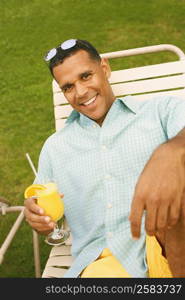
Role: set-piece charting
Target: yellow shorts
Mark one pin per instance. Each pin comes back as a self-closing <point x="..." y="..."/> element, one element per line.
<point x="107" y="266"/>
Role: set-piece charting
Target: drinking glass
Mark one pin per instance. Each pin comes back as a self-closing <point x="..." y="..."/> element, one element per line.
<point x="48" y="198"/>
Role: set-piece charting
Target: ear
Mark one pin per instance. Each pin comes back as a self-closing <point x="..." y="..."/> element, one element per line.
<point x="106" y="67"/>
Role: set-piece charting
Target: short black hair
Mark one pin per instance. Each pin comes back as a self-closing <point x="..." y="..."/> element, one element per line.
<point x="80" y="45"/>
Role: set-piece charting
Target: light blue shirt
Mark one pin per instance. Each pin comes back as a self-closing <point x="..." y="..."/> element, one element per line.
<point x="97" y="168"/>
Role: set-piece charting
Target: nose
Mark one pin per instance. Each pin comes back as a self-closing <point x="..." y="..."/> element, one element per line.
<point x="81" y="90"/>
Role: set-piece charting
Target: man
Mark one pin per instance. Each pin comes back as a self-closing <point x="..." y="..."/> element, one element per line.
<point x="121" y="167"/>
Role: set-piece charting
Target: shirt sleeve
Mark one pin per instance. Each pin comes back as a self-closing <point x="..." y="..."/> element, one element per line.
<point x="44" y="174"/>
<point x="172" y="115"/>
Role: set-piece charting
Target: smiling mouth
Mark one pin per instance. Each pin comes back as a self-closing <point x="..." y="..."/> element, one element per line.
<point x="89" y="101"/>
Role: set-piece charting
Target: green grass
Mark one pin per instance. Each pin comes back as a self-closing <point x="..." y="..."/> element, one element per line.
<point x="28" y="29"/>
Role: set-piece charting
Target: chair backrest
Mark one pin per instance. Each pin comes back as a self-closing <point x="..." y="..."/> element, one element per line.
<point x="141" y="82"/>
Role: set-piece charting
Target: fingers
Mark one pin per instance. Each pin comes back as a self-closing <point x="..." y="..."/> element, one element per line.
<point x="34" y="218"/>
<point x="135" y="217"/>
<point x="30" y="204"/>
<point x="162" y="218"/>
<point x="159" y="215"/>
<point x="34" y="215"/>
<point x="183" y="208"/>
<point x="37" y="222"/>
<point x="174" y="212"/>
<point x="150" y="220"/>
<point x="163" y="205"/>
<point x="42" y="227"/>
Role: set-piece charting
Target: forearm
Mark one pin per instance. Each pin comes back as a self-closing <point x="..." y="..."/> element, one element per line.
<point x="174" y="148"/>
<point x="180" y="138"/>
<point x="178" y="143"/>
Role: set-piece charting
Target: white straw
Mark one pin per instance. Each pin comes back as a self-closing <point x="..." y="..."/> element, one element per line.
<point x="31" y="164"/>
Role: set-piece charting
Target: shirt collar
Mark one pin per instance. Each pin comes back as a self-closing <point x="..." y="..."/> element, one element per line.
<point x="73" y="115"/>
<point x="132" y="103"/>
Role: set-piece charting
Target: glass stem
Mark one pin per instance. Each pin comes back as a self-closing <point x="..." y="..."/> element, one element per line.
<point x="56" y="227"/>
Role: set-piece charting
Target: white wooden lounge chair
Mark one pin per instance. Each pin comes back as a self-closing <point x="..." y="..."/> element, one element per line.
<point x="6" y="208"/>
<point x="142" y="83"/>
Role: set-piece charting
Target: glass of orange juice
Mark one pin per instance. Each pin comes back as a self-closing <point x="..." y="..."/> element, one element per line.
<point x="49" y="199"/>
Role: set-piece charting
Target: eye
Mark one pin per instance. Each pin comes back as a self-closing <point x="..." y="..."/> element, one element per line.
<point x="67" y="88"/>
<point x="86" y="76"/>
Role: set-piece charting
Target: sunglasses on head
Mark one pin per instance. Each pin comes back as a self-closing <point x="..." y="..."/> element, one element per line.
<point x="64" y="46"/>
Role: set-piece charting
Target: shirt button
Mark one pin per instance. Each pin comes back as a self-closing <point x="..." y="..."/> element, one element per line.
<point x="104" y="147"/>
<point x="109" y="234"/>
<point x="108" y="176"/>
<point x="109" y="205"/>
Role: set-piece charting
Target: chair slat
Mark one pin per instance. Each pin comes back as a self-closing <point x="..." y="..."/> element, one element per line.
<point x="55" y="87"/>
<point x="144" y="86"/>
<point x="53" y="272"/>
<point x="58" y="98"/>
<point x="150" y="71"/>
<point x="60" y="250"/>
<point x="157" y="70"/>
<point x="59" y="124"/>
<point x="60" y="260"/>
<point x="177" y="93"/>
<point x="62" y="111"/>
<point x="133" y="87"/>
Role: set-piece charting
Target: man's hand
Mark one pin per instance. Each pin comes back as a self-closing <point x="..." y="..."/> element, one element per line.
<point x="36" y="218"/>
<point x="160" y="189"/>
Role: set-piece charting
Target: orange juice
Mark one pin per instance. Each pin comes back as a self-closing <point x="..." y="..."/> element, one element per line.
<point x="48" y="198"/>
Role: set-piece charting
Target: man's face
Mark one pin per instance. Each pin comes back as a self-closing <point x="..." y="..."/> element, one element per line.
<point x="84" y="82"/>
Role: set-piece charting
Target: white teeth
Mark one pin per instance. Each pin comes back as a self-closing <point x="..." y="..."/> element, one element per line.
<point x="90" y="101"/>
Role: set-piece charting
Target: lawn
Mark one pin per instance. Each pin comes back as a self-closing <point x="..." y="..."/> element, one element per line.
<point x="28" y="29"/>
